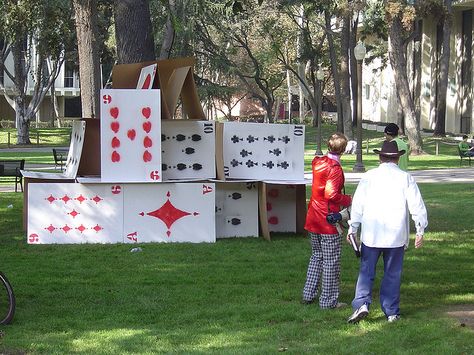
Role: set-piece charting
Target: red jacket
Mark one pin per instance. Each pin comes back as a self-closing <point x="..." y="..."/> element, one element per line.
<point x="328" y="182"/>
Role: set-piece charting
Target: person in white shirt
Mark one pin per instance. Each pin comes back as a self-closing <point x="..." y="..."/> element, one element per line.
<point x="384" y="197"/>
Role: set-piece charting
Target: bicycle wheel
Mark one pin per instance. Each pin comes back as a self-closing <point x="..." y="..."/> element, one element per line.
<point x="7" y="300"/>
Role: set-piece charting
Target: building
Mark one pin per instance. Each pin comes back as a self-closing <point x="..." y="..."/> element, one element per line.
<point x="379" y="95"/>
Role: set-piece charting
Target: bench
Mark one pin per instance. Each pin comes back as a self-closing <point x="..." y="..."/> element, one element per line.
<point x="60" y="157"/>
<point x="462" y="156"/>
<point x="11" y="168"/>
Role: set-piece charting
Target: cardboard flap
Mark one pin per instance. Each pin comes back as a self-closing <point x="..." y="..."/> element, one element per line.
<point x="174" y="78"/>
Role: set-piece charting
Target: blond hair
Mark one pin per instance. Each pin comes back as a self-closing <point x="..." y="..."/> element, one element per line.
<point x="337" y="143"/>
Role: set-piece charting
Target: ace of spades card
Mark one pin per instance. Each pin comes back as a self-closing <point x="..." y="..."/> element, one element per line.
<point x="65" y="213"/>
<point x="236" y="209"/>
<point x="130" y="135"/>
<point x="169" y="212"/>
<point x="187" y="149"/>
<point x="147" y="76"/>
<point x="263" y="151"/>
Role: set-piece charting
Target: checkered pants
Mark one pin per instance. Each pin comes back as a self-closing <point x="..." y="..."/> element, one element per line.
<point x="324" y="263"/>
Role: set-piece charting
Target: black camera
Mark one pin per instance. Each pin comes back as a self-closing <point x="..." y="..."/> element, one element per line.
<point x="334" y="217"/>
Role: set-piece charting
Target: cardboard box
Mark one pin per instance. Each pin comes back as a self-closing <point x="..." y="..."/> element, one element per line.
<point x="174" y="78"/>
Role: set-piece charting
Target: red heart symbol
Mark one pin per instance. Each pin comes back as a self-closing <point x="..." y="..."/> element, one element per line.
<point x="115" y="157"/>
<point x="147" y="127"/>
<point x="115" y="126"/>
<point x="146" y="83"/>
<point x="147" y="142"/>
<point x="273" y="220"/>
<point x="147" y="156"/>
<point x="114" y="112"/>
<point x="115" y="142"/>
<point x="146" y="112"/>
<point x="131" y="134"/>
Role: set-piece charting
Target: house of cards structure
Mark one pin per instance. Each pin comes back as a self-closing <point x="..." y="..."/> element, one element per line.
<point x="165" y="180"/>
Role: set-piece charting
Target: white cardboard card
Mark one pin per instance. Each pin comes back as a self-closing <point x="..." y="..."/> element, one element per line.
<point x="188" y="148"/>
<point x="236" y="209"/>
<point x="130" y="135"/>
<point x="68" y="213"/>
<point x="169" y="212"/>
<point x="263" y="151"/>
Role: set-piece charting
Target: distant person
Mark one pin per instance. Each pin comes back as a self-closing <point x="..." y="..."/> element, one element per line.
<point x="351" y="147"/>
<point x="326" y="196"/>
<point x="382" y="201"/>
<point x="391" y="133"/>
<point x="464" y="147"/>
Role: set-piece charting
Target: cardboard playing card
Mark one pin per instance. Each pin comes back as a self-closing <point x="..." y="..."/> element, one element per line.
<point x="147" y="77"/>
<point x="236" y="209"/>
<point x="188" y="149"/>
<point x="282" y="206"/>
<point x="169" y="212"/>
<point x="130" y="135"/>
<point x="261" y="151"/>
<point x="64" y="213"/>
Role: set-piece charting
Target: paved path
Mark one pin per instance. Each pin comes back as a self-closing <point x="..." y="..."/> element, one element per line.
<point x="459" y="175"/>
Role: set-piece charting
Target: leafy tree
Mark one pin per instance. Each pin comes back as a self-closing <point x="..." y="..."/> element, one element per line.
<point x="36" y="34"/>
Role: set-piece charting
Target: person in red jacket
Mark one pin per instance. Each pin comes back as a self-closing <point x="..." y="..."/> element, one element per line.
<point x="326" y="242"/>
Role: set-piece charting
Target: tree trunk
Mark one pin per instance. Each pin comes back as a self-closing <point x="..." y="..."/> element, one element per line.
<point x="169" y="33"/>
<point x="353" y="68"/>
<point x="345" y="82"/>
<point x="335" y="72"/>
<point x="23" y="125"/>
<point x="397" y="55"/>
<point x="443" y="70"/>
<point x="89" y="63"/>
<point x="133" y="31"/>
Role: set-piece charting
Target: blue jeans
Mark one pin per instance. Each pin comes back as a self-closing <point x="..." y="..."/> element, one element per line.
<point x="390" y="286"/>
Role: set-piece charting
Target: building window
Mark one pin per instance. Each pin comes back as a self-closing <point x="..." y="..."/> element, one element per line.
<point x="69" y="75"/>
<point x="367" y="92"/>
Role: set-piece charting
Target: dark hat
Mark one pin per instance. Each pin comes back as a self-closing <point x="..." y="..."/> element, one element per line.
<point x="392" y="129"/>
<point x="389" y="149"/>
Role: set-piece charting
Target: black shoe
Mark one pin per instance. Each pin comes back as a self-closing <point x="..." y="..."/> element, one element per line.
<point x="306" y="302"/>
<point x="359" y="314"/>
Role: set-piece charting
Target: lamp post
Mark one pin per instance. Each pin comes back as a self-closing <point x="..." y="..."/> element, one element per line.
<point x="359" y="53"/>
<point x="320" y="77"/>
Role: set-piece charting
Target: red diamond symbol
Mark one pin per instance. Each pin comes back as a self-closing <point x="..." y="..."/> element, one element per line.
<point x="80" y="198"/>
<point x="50" y="228"/>
<point x="74" y="213"/>
<point x="66" y="198"/>
<point x="168" y="214"/>
<point x="81" y="228"/>
<point x="51" y="199"/>
<point x="66" y="228"/>
<point x="97" y="228"/>
<point x="96" y="199"/>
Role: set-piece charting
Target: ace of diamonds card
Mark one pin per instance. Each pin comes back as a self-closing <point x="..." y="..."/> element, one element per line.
<point x="169" y="212"/>
<point x="130" y="135"/>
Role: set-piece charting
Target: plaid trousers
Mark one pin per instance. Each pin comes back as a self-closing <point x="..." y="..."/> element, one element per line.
<point x="324" y="264"/>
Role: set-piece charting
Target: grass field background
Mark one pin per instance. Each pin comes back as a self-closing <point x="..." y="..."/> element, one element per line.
<point x="237" y="296"/>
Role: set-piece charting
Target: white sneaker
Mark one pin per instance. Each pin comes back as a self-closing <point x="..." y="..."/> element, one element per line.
<point x="393" y="318"/>
<point x="359" y="314"/>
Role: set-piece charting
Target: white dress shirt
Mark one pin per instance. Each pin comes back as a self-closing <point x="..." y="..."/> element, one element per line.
<point x="381" y="204"/>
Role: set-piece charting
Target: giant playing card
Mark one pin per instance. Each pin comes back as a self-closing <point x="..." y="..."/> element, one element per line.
<point x="188" y="148"/>
<point x="263" y="151"/>
<point x="66" y="213"/>
<point x="130" y="135"/>
<point x="281" y="208"/>
<point x="236" y="209"/>
<point x="169" y="212"/>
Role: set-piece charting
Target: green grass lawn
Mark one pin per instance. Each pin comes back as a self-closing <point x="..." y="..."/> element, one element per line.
<point x="237" y="296"/>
